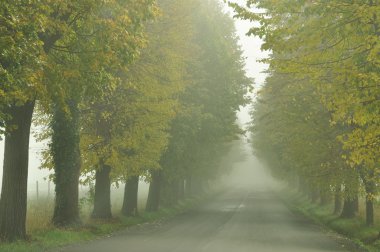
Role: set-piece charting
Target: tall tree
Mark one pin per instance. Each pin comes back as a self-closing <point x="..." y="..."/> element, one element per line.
<point x="207" y="120"/>
<point x="20" y="76"/>
<point x="107" y="37"/>
<point x="138" y="111"/>
<point x="333" y="45"/>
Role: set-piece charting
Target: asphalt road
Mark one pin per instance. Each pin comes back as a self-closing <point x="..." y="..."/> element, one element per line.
<point x="247" y="217"/>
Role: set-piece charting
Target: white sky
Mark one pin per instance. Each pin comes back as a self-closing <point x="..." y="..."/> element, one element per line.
<point x="252" y="53"/>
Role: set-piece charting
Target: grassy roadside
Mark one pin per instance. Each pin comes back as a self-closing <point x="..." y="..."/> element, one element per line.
<point x="54" y="238"/>
<point x="366" y="238"/>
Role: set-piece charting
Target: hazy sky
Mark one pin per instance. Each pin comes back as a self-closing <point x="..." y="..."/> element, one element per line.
<point x="251" y="48"/>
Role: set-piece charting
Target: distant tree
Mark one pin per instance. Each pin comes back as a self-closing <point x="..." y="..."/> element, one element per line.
<point x="137" y="112"/>
<point x="207" y="120"/>
<point x="335" y="47"/>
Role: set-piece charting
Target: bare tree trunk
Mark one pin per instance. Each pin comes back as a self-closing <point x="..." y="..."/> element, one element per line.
<point x="349" y="208"/>
<point x="370" y="192"/>
<point x="153" y="201"/>
<point x="130" y="197"/>
<point x="337" y="201"/>
<point x="169" y="192"/>
<point x="197" y="186"/>
<point x="370" y="189"/>
<point x="302" y="186"/>
<point x="314" y="196"/>
<point x="356" y="204"/>
<point x="370" y="220"/>
<point x="102" y="199"/>
<point x="181" y="188"/>
<point x="67" y="162"/>
<point x="13" y="200"/>
<point x="325" y="198"/>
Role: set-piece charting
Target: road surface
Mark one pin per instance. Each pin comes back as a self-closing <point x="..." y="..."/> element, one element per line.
<point x="246" y="218"/>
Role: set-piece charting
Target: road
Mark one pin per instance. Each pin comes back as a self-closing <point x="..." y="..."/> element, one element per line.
<point x="248" y="217"/>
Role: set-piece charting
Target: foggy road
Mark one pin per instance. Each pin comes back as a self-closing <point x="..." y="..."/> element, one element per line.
<point x="248" y="217"/>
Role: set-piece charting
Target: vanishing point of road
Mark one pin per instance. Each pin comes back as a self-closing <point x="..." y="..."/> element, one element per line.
<point x="248" y="217"/>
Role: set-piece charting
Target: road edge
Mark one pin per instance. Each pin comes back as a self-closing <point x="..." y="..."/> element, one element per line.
<point x="288" y="197"/>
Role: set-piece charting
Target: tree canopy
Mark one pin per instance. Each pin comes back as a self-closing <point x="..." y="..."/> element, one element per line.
<point x="332" y="49"/>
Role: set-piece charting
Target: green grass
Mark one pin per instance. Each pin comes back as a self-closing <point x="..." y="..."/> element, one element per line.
<point x="47" y="237"/>
<point x="355" y="229"/>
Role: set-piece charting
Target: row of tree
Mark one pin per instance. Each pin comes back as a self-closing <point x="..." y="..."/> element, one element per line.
<point x="125" y="89"/>
<point x="317" y="117"/>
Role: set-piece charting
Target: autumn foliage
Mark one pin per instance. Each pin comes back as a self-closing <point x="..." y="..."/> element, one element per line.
<point x="127" y="90"/>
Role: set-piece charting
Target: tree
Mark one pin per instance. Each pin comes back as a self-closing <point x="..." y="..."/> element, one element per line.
<point x="20" y="76"/>
<point x="332" y="44"/>
<point x="138" y="111"/>
<point x="207" y="121"/>
<point x="104" y="39"/>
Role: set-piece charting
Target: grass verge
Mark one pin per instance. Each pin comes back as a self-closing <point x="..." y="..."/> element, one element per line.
<point x="54" y="238"/>
<point x="365" y="238"/>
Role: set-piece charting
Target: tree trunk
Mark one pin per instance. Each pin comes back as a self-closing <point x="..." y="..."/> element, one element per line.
<point x="169" y="192"/>
<point x="102" y="199"/>
<point x="337" y="202"/>
<point x="369" y="212"/>
<point x="13" y="200"/>
<point x="356" y="204"/>
<point x="67" y="162"/>
<point x="130" y="197"/>
<point x="314" y="196"/>
<point x="325" y="198"/>
<point x="153" y="201"/>
<point x="302" y="185"/>
<point x="174" y="191"/>
<point x="349" y="208"/>
<point x="197" y="186"/>
<point x="370" y="192"/>
<point x="181" y="189"/>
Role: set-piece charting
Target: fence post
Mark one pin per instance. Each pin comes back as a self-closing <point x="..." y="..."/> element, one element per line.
<point x="37" y="189"/>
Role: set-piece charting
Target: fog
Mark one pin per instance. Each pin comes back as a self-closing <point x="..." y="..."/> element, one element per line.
<point x="207" y="198"/>
<point x="246" y="171"/>
<point x="252" y="53"/>
<point x="35" y="173"/>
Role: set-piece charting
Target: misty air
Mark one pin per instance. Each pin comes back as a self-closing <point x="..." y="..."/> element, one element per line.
<point x="189" y="126"/>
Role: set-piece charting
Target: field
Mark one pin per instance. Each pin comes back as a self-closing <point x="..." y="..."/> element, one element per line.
<point x="44" y="236"/>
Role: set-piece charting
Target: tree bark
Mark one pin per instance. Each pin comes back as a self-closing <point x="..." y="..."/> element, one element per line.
<point x="181" y="189"/>
<point x="153" y="201"/>
<point x="370" y="192"/>
<point x="337" y="202"/>
<point x="370" y="221"/>
<point x="325" y="198"/>
<point x="169" y="192"/>
<point x="67" y="162"/>
<point x="130" y="197"/>
<point x="349" y="208"/>
<point x="314" y="196"/>
<point x="302" y="185"/>
<point x="102" y="199"/>
<point x="13" y="202"/>
<point x="356" y="204"/>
